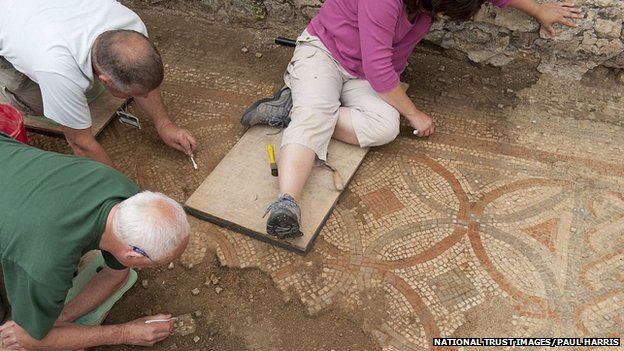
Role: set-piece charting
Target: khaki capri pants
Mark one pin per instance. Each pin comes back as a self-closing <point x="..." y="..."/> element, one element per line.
<point x="320" y="86"/>
<point x="18" y="90"/>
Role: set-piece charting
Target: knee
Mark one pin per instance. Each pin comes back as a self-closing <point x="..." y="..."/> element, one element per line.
<point x="385" y="131"/>
<point x="385" y="135"/>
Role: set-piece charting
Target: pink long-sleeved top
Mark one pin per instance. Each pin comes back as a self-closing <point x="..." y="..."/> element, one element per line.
<point x="372" y="39"/>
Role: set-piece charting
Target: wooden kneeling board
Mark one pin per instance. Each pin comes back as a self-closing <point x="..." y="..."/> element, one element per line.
<point x="103" y="111"/>
<point x="237" y="192"/>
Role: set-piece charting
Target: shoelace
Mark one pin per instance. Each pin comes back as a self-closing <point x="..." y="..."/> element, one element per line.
<point x="283" y="203"/>
<point x="284" y="232"/>
<point x="276" y="122"/>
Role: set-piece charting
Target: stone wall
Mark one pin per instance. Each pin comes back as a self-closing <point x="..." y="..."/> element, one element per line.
<point x="496" y="37"/>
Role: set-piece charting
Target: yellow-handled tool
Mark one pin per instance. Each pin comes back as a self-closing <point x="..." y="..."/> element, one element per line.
<point x="271" y="154"/>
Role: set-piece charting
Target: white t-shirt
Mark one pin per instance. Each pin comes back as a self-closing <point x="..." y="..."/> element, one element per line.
<point x="50" y="42"/>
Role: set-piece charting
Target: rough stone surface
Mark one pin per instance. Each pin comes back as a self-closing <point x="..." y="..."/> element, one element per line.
<point x="496" y="36"/>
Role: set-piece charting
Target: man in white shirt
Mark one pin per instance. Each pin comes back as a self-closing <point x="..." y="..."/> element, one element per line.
<point x="53" y="52"/>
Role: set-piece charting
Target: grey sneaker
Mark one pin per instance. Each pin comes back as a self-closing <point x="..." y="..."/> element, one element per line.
<point x="274" y="111"/>
<point x="285" y="218"/>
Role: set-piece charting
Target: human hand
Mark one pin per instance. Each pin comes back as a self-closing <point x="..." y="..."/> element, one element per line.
<point x="564" y="13"/>
<point x="137" y="332"/>
<point x="177" y="138"/>
<point x="13" y="336"/>
<point x="422" y="123"/>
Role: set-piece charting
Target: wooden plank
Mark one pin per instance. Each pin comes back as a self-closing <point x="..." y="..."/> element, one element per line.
<point x="235" y="195"/>
<point x="102" y="113"/>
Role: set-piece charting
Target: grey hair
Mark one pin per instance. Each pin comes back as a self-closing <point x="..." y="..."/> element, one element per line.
<point x="153" y="222"/>
<point x="128" y="58"/>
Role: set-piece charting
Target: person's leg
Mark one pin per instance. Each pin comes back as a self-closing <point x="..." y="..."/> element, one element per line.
<point x="365" y="118"/>
<point x="18" y="90"/>
<point x="295" y="165"/>
<point x="344" y="127"/>
<point x="316" y="84"/>
<point x="90" y="266"/>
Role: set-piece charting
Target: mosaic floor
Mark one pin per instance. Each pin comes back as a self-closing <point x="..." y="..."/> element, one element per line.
<point x="508" y="222"/>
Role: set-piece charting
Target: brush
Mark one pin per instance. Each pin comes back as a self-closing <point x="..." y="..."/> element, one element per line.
<point x="272" y="159"/>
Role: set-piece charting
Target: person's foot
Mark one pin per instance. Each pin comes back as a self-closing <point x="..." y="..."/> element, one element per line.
<point x="274" y="111"/>
<point x="285" y="218"/>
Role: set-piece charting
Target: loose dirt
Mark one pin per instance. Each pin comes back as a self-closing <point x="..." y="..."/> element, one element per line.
<point x="235" y="310"/>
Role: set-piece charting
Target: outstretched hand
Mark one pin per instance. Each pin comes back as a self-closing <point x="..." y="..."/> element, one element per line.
<point x="422" y="123"/>
<point x="563" y="13"/>
<point x="13" y="336"/>
<point x="137" y="332"/>
<point x="177" y="138"/>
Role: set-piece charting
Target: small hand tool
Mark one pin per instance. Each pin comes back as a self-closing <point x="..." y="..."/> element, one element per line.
<point x="150" y="321"/>
<point x="194" y="163"/>
<point x="271" y="154"/>
<point x="286" y="42"/>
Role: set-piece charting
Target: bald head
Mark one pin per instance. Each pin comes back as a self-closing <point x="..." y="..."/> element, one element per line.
<point x="129" y="59"/>
<point x="155" y="223"/>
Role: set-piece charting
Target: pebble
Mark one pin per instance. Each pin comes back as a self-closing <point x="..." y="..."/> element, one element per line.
<point x="170" y="266"/>
<point x="197" y="313"/>
<point x="196" y="338"/>
<point x="195" y="291"/>
<point x="245" y="50"/>
<point x="510" y="91"/>
<point x="501" y="105"/>
<point x="218" y="289"/>
<point x="185" y="325"/>
<point x="442" y="68"/>
<point x="144" y="283"/>
<point x="214" y="279"/>
<point x="258" y="54"/>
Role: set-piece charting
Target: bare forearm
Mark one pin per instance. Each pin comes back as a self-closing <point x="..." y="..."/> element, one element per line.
<point x="154" y="107"/>
<point x="91" y="149"/>
<point x="530" y="7"/>
<point x="171" y="134"/>
<point x="423" y="124"/>
<point x="100" y="288"/>
<point x="74" y="337"/>
<point x="400" y="101"/>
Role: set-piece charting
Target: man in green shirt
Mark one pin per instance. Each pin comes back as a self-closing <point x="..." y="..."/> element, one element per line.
<point x="53" y="209"/>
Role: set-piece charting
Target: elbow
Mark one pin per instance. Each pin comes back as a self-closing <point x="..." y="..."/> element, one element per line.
<point x="80" y="140"/>
<point x="381" y="80"/>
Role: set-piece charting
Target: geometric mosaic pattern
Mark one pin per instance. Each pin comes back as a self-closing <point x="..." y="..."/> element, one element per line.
<point x="509" y="221"/>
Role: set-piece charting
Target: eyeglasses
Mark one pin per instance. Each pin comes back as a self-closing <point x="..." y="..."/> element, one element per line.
<point x="140" y="251"/>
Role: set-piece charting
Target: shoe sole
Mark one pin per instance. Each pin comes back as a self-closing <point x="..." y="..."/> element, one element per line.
<point x="248" y="114"/>
<point x="283" y="221"/>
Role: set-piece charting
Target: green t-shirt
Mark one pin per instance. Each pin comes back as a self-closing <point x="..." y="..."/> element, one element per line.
<point x="53" y="209"/>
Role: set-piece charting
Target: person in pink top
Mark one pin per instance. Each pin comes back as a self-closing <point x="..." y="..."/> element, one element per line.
<point x="343" y="83"/>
